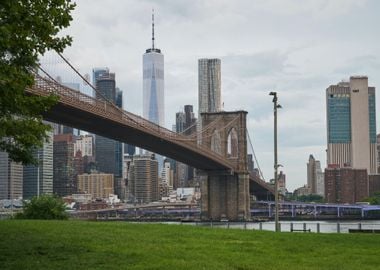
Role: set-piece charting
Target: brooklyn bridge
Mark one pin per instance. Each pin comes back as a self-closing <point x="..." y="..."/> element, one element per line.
<point x="218" y="151"/>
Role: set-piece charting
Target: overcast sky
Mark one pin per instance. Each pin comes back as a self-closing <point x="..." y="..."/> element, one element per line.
<point x="297" y="48"/>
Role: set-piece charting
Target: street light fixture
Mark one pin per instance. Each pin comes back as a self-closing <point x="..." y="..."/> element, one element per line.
<point x="276" y="165"/>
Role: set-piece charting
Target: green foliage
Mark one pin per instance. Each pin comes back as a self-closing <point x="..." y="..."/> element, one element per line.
<point x="310" y="198"/>
<point x="27" y="30"/>
<point x="27" y="244"/>
<point x="44" y="207"/>
<point x="374" y="200"/>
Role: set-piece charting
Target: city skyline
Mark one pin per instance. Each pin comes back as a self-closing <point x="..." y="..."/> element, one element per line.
<point x="261" y="50"/>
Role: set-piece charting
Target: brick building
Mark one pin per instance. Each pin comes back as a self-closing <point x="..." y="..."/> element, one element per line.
<point x="345" y="185"/>
<point x="373" y="184"/>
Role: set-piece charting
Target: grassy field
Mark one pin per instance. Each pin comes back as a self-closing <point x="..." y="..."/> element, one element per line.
<point x="117" y="245"/>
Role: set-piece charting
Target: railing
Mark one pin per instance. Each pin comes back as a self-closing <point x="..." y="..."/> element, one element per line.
<point x="362" y="226"/>
<point x="44" y="87"/>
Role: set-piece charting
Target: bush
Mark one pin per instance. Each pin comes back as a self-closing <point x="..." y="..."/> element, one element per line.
<point x="44" y="207"/>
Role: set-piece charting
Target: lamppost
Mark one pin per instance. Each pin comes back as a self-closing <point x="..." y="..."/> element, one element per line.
<point x="276" y="165"/>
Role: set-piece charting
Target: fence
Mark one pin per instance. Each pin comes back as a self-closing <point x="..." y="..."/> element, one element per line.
<point x="303" y="227"/>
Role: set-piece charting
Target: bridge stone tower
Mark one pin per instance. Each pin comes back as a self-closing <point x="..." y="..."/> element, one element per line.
<point x="225" y="194"/>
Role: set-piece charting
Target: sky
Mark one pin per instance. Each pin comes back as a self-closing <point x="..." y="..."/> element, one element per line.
<point x="296" y="48"/>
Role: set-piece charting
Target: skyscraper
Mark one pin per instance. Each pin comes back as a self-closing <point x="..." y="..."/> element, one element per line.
<point x="119" y="98"/>
<point x="106" y="86"/>
<point x="108" y="152"/>
<point x="130" y="149"/>
<point x="209" y="87"/>
<point x="64" y="182"/>
<point x="153" y="84"/>
<point x="315" y="180"/>
<point x="190" y="120"/>
<point x="39" y="179"/>
<point x="180" y="122"/>
<point x="97" y="72"/>
<point x="351" y="124"/>
<point x="11" y="176"/>
<point x="185" y="123"/>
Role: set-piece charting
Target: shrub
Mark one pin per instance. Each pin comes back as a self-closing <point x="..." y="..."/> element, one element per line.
<point x="44" y="207"/>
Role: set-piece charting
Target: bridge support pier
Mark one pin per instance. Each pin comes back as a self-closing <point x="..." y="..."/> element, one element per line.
<point x="224" y="196"/>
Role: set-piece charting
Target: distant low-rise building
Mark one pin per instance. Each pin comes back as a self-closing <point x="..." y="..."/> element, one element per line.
<point x="282" y="183"/>
<point x="82" y="198"/>
<point x="301" y="191"/>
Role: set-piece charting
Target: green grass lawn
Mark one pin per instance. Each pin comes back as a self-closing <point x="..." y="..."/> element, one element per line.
<point x="118" y="245"/>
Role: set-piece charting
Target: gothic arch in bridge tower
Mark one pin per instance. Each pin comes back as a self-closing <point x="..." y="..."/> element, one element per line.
<point x="232" y="143"/>
<point x="216" y="143"/>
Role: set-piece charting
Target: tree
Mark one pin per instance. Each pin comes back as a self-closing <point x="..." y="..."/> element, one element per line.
<point x="27" y="30"/>
<point x="373" y="200"/>
<point x="44" y="207"/>
<point x="310" y="198"/>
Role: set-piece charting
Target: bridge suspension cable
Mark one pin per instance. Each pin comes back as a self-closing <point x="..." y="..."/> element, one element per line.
<point x="196" y="133"/>
<point x="254" y="155"/>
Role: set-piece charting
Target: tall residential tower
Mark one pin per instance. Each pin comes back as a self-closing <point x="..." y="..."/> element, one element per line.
<point x="209" y="87"/>
<point x="351" y="124"/>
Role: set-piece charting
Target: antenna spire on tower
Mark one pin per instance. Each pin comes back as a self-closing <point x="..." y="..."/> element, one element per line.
<point x="152" y="28"/>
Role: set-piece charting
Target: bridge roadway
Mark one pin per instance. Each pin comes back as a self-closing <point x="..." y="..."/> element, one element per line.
<point x="266" y="208"/>
<point x="101" y="117"/>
